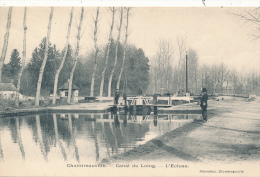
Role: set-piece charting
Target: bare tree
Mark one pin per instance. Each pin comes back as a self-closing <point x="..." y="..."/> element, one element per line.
<point x="6" y="38"/>
<point x="224" y="72"/>
<point x="125" y="43"/>
<point x="253" y="84"/>
<point x="63" y="60"/>
<point x="181" y="42"/>
<point x="228" y="79"/>
<point x="168" y="61"/>
<point x="163" y="66"/>
<point x="23" y="60"/>
<point x="251" y="16"/>
<point x="152" y="76"/>
<point x="107" y="52"/>
<point x="117" y="44"/>
<point x="192" y="71"/>
<point x="39" y="83"/>
<point x="96" y="55"/>
<point x="76" y="55"/>
<point x="220" y="79"/>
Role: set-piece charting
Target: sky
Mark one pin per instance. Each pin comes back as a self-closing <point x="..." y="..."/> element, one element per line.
<point x="215" y="34"/>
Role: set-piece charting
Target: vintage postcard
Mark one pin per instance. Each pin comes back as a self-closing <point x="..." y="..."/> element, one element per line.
<point x="129" y="89"/>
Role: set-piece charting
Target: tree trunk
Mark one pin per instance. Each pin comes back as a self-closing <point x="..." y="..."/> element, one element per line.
<point x="76" y="56"/>
<point x="107" y="53"/>
<point x="196" y="82"/>
<point x="125" y="43"/>
<point x="23" y="61"/>
<point x="8" y="26"/>
<point x="117" y="44"/>
<point x="182" y="47"/>
<point x="226" y="87"/>
<point x="63" y="60"/>
<point x="202" y="79"/>
<point x="39" y="83"/>
<point x="96" y="54"/>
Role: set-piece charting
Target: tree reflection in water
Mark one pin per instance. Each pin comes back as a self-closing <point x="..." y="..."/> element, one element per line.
<point x="105" y="136"/>
<point x="83" y="136"/>
<point x="95" y="139"/>
<point x="57" y="137"/>
<point x="19" y="137"/>
<point x="113" y="135"/>
<point x="73" y="138"/>
<point x="39" y="133"/>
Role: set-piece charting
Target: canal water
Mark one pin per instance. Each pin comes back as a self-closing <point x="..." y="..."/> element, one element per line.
<point x="78" y="138"/>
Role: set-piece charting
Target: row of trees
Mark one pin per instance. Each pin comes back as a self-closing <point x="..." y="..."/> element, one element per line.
<point x="168" y="73"/>
<point x="163" y="74"/>
<point x="95" y="74"/>
<point x="134" y="77"/>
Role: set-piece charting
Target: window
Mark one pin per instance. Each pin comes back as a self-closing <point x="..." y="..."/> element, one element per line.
<point x="66" y="93"/>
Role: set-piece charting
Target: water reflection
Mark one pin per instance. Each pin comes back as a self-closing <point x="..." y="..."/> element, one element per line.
<point x="155" y="120"/>
<point x="57" y="137"/>
<point x="39" y="133"/>
<point x="73" y="138"/>
<point x="94" y="134"/>
<point x="105" y="136"/>
<point x="114" y="137"/>
<point x="82" y="137"/>
<point x="19" y="137"/>
<point x="125" y="119"/>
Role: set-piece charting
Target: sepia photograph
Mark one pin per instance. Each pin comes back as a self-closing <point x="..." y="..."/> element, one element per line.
<point x="129" y="89"/>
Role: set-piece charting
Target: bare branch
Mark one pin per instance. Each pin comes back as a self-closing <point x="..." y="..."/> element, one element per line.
<point x="252" y="17"/>
<point x="203" y="1"/>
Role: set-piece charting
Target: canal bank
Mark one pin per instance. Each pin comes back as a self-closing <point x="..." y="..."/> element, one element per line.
<point x="231" y="135"/>
<point x="93" y="107"/>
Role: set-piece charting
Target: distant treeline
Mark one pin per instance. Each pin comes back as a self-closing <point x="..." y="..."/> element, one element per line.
<point x="168" y="73"/>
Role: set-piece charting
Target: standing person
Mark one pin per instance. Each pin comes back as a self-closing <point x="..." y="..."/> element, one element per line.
<point x="204" y="104"/>
<point x="117" y="95"/>
<point x="139" y="101"/>
<point x="140" y="92"/>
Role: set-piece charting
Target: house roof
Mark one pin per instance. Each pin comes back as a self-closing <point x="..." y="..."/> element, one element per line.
<point x="7" y="87"/>
<point x="66" y="86"/>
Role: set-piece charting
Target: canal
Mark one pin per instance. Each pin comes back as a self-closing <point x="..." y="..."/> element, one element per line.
<point x="84" y="137"/>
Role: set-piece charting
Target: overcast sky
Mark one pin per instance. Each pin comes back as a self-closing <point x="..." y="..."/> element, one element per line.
<point x="213" y="32"/>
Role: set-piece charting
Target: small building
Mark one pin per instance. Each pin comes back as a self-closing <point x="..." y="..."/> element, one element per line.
<point x="64" y="92"/>
<point x="7" y="91"/>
